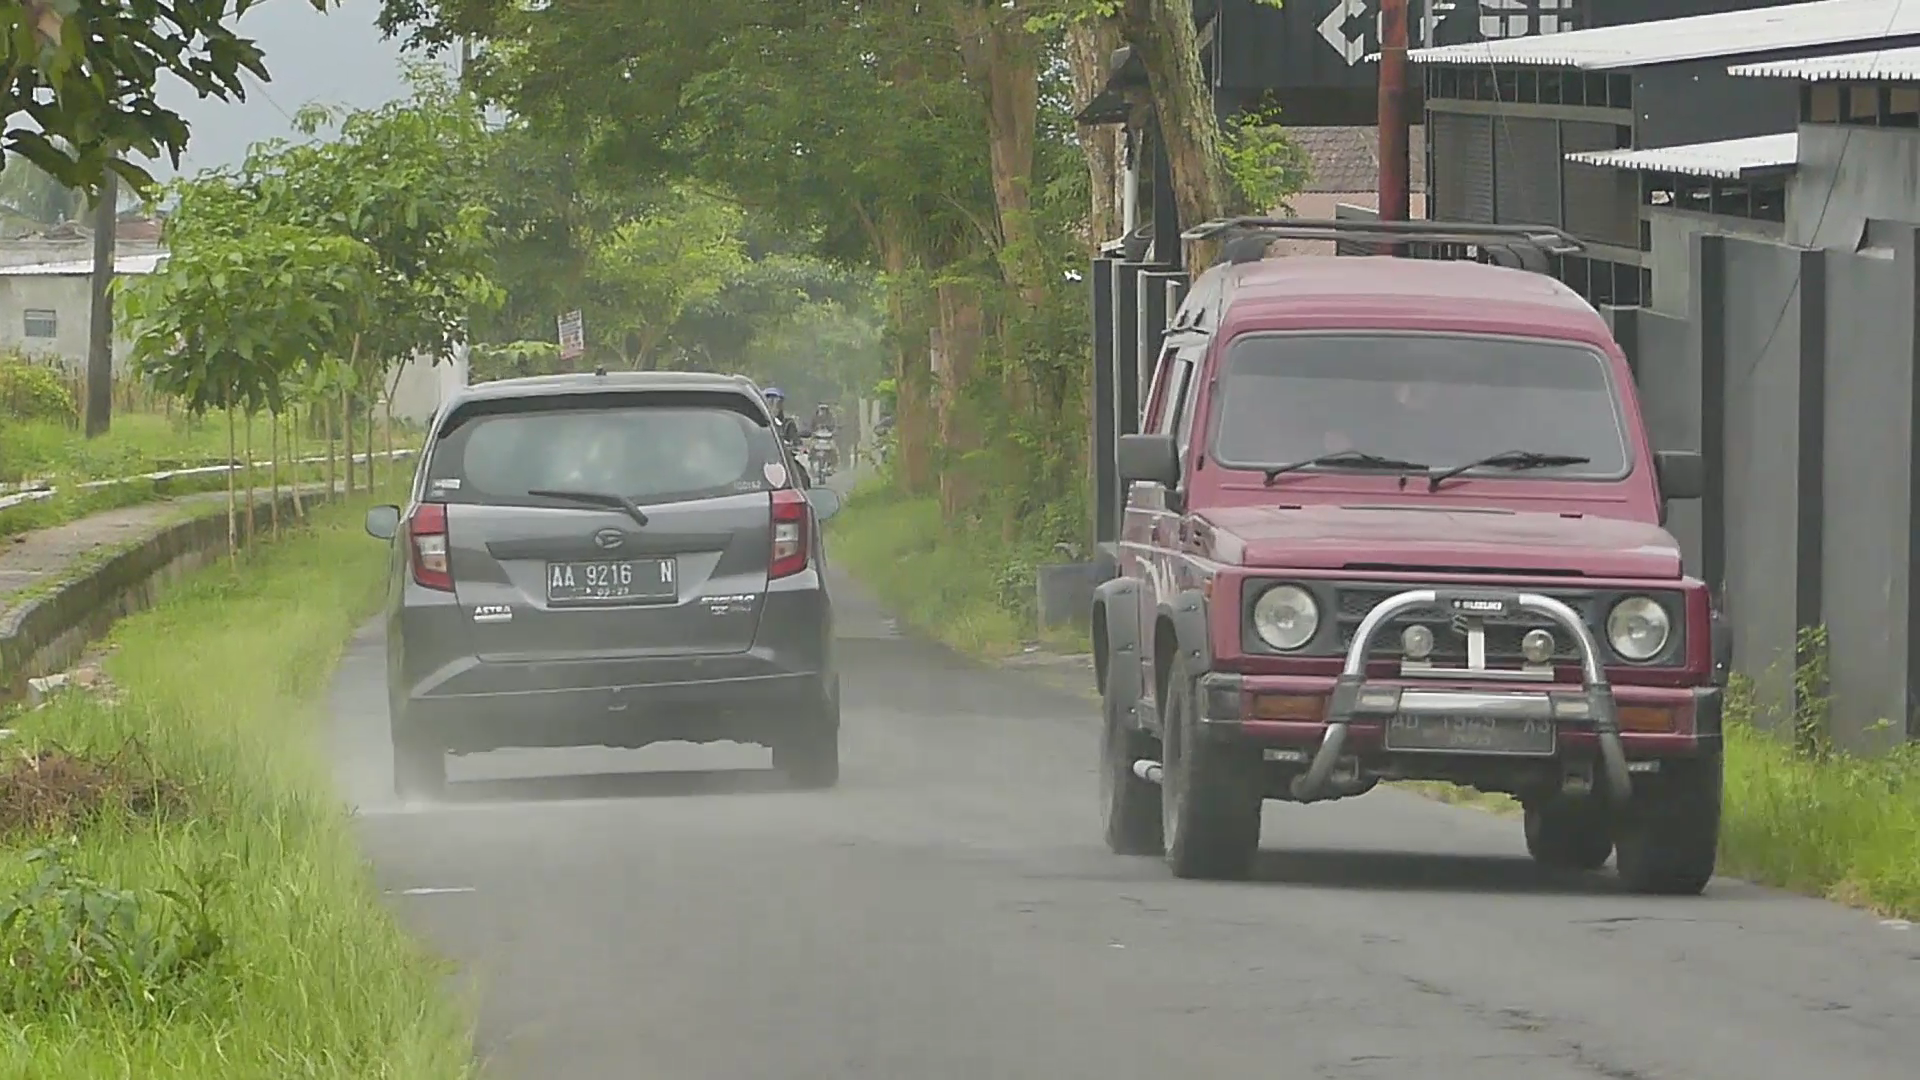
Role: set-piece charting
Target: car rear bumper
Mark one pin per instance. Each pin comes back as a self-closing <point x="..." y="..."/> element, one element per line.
<point x="533" y="705"/>
<point x="1289" y="712"/>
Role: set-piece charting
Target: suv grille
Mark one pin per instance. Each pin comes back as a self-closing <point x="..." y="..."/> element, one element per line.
<point x="1352" y="602"/>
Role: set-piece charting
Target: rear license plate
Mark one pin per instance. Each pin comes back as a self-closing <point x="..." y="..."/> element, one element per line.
<point x="1472" y="735"/>
<point x="630" y="580"/>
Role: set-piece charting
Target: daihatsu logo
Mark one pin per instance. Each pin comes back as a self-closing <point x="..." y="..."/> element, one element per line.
<point x="608" y="539"/>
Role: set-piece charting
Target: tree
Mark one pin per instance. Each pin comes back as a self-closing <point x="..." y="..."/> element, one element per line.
<point x="82" y="74"/>
<point x="644" y="273"/>
<point x="242" y="307"/>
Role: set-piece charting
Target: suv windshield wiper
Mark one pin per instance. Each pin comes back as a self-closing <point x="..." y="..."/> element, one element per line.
<point x="1507" y="459"/>
<point x="1358" y="459"/>
<point x="595" y="498"/>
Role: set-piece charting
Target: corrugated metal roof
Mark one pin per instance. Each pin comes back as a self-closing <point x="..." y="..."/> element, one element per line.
<point x="1878" y="65"/>
<point x="1728" y="159"/>
<point x="125" y="264"/>
<point x="1698" y="37"/>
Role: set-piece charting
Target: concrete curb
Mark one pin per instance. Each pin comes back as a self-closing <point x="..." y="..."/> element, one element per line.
<point x="44" y="634"/>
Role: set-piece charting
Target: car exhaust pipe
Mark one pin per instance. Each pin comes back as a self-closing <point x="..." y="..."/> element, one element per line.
<point x="1148" y="770"/>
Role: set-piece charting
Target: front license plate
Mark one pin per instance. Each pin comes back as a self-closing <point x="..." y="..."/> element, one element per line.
<point x="630" y="580"/>
<point x="1472" y="735"/>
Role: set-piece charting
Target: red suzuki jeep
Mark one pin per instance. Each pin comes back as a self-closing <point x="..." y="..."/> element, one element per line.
<point x="1399" y="518"/>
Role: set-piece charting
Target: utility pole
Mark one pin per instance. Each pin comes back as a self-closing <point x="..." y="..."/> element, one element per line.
<point x="1395" y="204"/>
<point x="99" y="415"/>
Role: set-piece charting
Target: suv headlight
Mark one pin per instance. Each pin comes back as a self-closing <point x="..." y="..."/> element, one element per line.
<point x="1286" y="617"/>
<point x="1638" y="628"/>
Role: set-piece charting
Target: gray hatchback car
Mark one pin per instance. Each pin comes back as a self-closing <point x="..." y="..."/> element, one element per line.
<point x="608" y="560"/>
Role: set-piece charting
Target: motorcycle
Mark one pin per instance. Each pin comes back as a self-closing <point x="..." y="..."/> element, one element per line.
<point x="822" y="454"/>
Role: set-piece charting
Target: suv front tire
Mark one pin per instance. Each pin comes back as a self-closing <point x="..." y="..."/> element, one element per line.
<point x="1210" y="796"/>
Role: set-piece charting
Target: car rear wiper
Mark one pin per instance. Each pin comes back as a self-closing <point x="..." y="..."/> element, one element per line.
<point x="595" y="498"/>
<point x="1358" y="459"/>
<point x="1507" y="459"/>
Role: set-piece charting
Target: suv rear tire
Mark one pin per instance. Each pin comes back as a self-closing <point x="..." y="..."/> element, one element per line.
<point x="1130" y="805"/>
<point x="1568" y="835"/>
<point x="419" y="768"/>
<point x="1210" y="797"/>
<point x="1670" y="834"/>
<point x="809" y="755"/>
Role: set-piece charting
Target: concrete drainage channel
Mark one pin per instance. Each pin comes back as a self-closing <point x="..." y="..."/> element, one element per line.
<point x="41" y="636"/>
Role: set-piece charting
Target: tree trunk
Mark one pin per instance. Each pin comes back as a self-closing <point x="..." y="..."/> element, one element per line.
<point x="370" y="408"/>
<point x="1090" y="48"/>
<point x="233" y="524"/>
<point x="957" y="339"/>
<point x="299" y="467"/>
<point x="1163" y="36"/>
<point x="1002" y="58"/>
<point x="346" y="426"/>
<point x="248" y="519"/>
<point x="912" y="421"/>
<point x="333" y="473"/>
<point x="273" y="471"/>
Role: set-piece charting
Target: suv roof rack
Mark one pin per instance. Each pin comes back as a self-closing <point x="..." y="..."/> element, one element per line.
<point x="1525" y="247"/>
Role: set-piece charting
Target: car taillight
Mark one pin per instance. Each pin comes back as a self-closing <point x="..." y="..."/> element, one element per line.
<point x="790" y="548"/>
<point x="427" y="537"/>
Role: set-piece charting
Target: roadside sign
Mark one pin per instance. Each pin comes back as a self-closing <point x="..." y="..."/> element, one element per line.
<point x="573" y="336"/>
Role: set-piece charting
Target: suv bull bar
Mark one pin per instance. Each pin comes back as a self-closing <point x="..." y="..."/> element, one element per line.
<point x="1354" y="697"/>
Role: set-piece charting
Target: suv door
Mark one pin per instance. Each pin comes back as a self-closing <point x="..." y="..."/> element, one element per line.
<point x="606" y="524"/>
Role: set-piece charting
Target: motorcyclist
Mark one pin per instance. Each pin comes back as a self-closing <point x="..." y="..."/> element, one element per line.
<point x="787" y="426"/>
<point x="823" y="417"/>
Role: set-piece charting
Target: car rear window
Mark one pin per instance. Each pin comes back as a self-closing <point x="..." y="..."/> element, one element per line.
<point x="1438" y="400"/>
<point x="650" y="452"/>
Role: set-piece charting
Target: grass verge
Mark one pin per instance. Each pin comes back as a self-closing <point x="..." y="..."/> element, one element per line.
<point x="138" y="443"/>
<point x="972" y="593"/>
<point x="1836" y="826"/>
<point x="219" y="921"/>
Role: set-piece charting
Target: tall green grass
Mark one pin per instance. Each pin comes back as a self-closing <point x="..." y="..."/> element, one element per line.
<point x="223" y="687"/>
<point x="966" y="589"/>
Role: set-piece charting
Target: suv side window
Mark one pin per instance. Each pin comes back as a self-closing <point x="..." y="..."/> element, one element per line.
<point x="1157" y="396"/>
<point x="1191" y="360"/>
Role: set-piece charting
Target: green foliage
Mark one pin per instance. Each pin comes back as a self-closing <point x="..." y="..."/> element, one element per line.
<point x="1264" y="165"/>
<point x="30" y="391"/>
<point x="237" y="312"/>
<point x="84" y="73"/>
<point x="644" y="272"/>
<point x="513" y="360"/>
<point x="72" y="940"/>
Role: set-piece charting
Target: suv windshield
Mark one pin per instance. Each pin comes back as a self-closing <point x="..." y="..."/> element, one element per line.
<point x="1438" y="400"/>
<point x="644" y="452"/>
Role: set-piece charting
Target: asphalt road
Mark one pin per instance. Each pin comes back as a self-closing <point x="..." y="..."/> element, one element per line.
<point x="949" y="913"/>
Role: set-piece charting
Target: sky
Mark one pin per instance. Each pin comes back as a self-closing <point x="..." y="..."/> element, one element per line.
<point x="335" y="58"/>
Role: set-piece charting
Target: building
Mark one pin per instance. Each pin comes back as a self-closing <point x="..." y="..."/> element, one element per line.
<point x="1512" y="124"/>
<point x="46" y="308"/>
<point x="46" y="311"/>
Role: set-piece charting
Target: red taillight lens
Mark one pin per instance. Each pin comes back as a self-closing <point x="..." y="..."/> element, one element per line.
<point x="790" y="542"/>
<point x="427" y="537"/>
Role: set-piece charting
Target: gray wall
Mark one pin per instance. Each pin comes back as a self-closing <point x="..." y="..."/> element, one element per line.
<point x="1847" y="175"/>
<point x="1671" y="259"/>
<point x="1792" y="369"/>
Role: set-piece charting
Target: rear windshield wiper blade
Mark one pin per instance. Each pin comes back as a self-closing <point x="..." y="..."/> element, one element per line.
<point x="595" y="498"/>
<point x="1507" y="459"/>
<point x="1358" y="459"/>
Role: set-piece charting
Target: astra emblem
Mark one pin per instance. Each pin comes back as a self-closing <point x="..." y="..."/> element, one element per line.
<point x="608" y="539"/>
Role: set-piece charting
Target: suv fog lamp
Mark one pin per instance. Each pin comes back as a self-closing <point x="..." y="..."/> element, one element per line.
<point x="1416" y="642"/>
<point x="1286" y="617"/>
<point x="1638" y="628"/>
<point x="1537" y="646"/>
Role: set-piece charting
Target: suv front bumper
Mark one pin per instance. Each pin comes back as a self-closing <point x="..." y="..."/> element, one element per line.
<point x="1323" y="722"/>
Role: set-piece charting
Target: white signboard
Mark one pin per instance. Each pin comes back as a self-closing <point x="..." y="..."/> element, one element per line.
<point x="573" y="336"/>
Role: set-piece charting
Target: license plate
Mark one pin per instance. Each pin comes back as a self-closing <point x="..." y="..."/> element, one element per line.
<point x="1472" y="735"/>
<point x="631" y="580"/>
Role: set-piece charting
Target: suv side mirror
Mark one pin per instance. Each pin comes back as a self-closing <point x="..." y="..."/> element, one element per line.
<point x="383" y="522"/>
<point x="1152" y="459"/>
<point x="1682" y="473"/>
